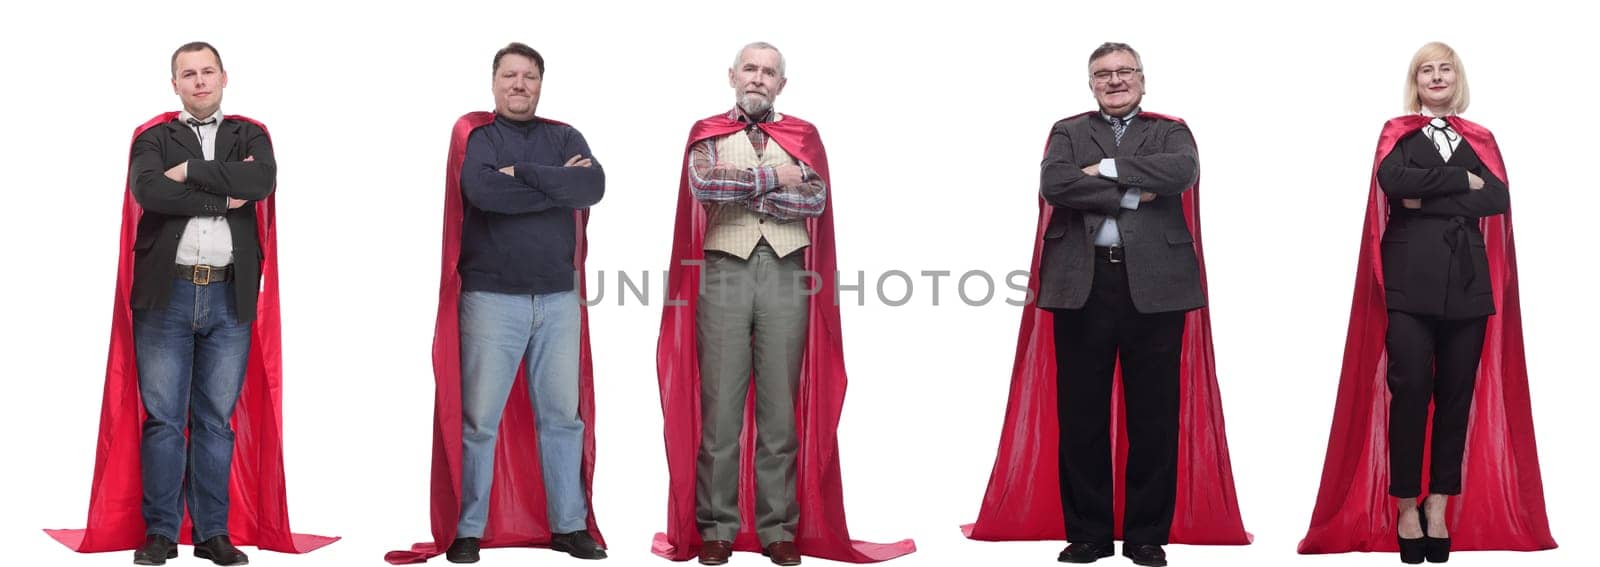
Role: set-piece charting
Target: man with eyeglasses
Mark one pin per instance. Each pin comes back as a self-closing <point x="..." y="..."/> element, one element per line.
<point x="1118" y="270"/>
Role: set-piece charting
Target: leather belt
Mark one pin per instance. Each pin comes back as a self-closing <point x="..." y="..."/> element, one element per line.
<point x="201" y="274"/>
<point x="1109" y="254"/>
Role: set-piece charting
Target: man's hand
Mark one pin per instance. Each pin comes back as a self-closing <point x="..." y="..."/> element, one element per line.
<point x="1413" y="203"/>
<point x="579" y="161"/>
<point x="180" y="172"/>
<point x="236" y="203"/>
<point x="789" y="175"/>
<point x="509" y="170"/>
<point x="1146" y="196"/>
<point x="1473" y="181"/>
<point x="1093" y="170"/>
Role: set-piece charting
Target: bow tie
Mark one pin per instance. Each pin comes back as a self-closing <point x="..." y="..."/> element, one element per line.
<point x="1442" y="136"/>
<point x="196" y="123"/>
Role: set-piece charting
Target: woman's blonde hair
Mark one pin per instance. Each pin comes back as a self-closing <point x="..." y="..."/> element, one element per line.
<point x="1436" y="51"/>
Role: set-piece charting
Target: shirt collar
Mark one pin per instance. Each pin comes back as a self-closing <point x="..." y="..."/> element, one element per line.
<point x="1434" y="120"/>
<point x="1125" y="119"/>
<point x="514" y="122"/>
<point x="184" y="117"/>
<point x="738" y="115"/>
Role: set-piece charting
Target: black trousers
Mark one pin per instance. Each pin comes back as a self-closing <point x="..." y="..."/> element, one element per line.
<point x="1430" y="360"/>
<point x="1089" y="342"/>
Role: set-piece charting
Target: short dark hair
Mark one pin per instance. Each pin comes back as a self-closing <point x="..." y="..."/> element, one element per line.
<point x="192" y="47"/>
<point x="1110" y="47"/>
<point x="517" y="48"/>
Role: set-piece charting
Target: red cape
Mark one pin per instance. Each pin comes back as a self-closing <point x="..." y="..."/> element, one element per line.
<point x="1501" y="505"/>
<point x="258" y="514"/>
<point x="516" y="501"/>
<point x="822" y="531"/>
<point x="1023" y="501"/>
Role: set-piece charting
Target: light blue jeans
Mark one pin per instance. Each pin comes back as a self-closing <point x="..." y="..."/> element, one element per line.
<point x="498" y="331"/>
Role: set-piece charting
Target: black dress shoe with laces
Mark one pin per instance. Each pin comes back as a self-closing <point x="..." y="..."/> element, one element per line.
<point x="155" y="550"/>
<point x="1084" y="552"/>
<point x="220" y="551"/>
<point x="577" y="544"/>
<point x="462" y="550"/>
<point x="1146" y="554"/>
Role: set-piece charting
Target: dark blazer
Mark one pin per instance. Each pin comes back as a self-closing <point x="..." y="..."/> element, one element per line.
<point x="1434" y="262"/>
<point x="168" y="205"/>
<point x="1156" y="156"/>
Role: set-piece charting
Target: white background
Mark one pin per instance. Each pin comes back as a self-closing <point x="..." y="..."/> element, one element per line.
<point x="934" y="118"/>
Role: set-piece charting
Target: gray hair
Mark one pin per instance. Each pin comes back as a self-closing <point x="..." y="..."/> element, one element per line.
<point x="760" y="45"/>
<point x="1110" y="47"/>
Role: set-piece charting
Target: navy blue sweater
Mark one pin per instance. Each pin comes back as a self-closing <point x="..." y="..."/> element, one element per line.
<point x="518" y="232"/>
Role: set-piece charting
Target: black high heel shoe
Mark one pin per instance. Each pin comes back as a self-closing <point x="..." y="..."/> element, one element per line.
<point x="1412" y="551"/>
<point x="1437" y="548"/>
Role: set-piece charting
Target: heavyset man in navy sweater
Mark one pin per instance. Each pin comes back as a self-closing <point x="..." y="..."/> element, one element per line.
<point x="522" y="179"/>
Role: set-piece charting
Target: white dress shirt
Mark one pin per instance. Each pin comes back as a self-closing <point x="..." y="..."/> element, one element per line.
<point x="206" y="240"/>
<point x="1109" y="235"/>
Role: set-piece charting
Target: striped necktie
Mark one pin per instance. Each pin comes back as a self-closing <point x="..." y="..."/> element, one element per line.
<point x="1120" y="127"/>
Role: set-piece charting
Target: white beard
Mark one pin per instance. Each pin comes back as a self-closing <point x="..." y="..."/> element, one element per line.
<point x="754" y="105"/>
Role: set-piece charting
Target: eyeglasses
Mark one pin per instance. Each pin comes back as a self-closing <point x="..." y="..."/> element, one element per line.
<point x="1124" y="74"/>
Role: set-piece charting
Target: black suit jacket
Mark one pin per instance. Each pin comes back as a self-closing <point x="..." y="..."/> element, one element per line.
<point x="1434" y="262"/>
<point x="168" y="205"/>
<point x="1156" y="156"/>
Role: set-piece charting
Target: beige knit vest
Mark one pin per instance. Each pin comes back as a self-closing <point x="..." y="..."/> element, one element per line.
<point x="735" y="229"/>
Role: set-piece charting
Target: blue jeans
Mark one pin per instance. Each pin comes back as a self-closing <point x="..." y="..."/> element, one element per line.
<point x="498" y="331"/>
<point x="192" y="356"/>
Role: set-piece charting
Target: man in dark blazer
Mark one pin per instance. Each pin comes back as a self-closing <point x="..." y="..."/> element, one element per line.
<point x="1118" y="271"/>
<point x="195" y="278"/>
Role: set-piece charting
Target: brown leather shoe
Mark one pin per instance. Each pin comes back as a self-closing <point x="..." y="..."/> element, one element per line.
<point x="715" y="552"/>
<point x="782" y="553"/>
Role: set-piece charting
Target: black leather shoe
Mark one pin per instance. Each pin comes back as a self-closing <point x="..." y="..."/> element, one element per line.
<point x="220" y="551"/>
<point x="1435" y="549"/>
<point x="1438" y="549"/>
<point x="1084" y="552"/>
<point x="156" y="550"/>
<point x="1412" y="551"/>
<point x="462" y="550"/>
<point x="577" y="544"/>
<point x="1146" y="554"/>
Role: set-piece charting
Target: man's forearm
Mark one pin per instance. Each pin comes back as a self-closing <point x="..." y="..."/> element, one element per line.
<point x="249" y="180"/>
<point x="714" y="182"/>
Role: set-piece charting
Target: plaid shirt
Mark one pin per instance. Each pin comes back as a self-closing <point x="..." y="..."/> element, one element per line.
<point x="756" y="188"/>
